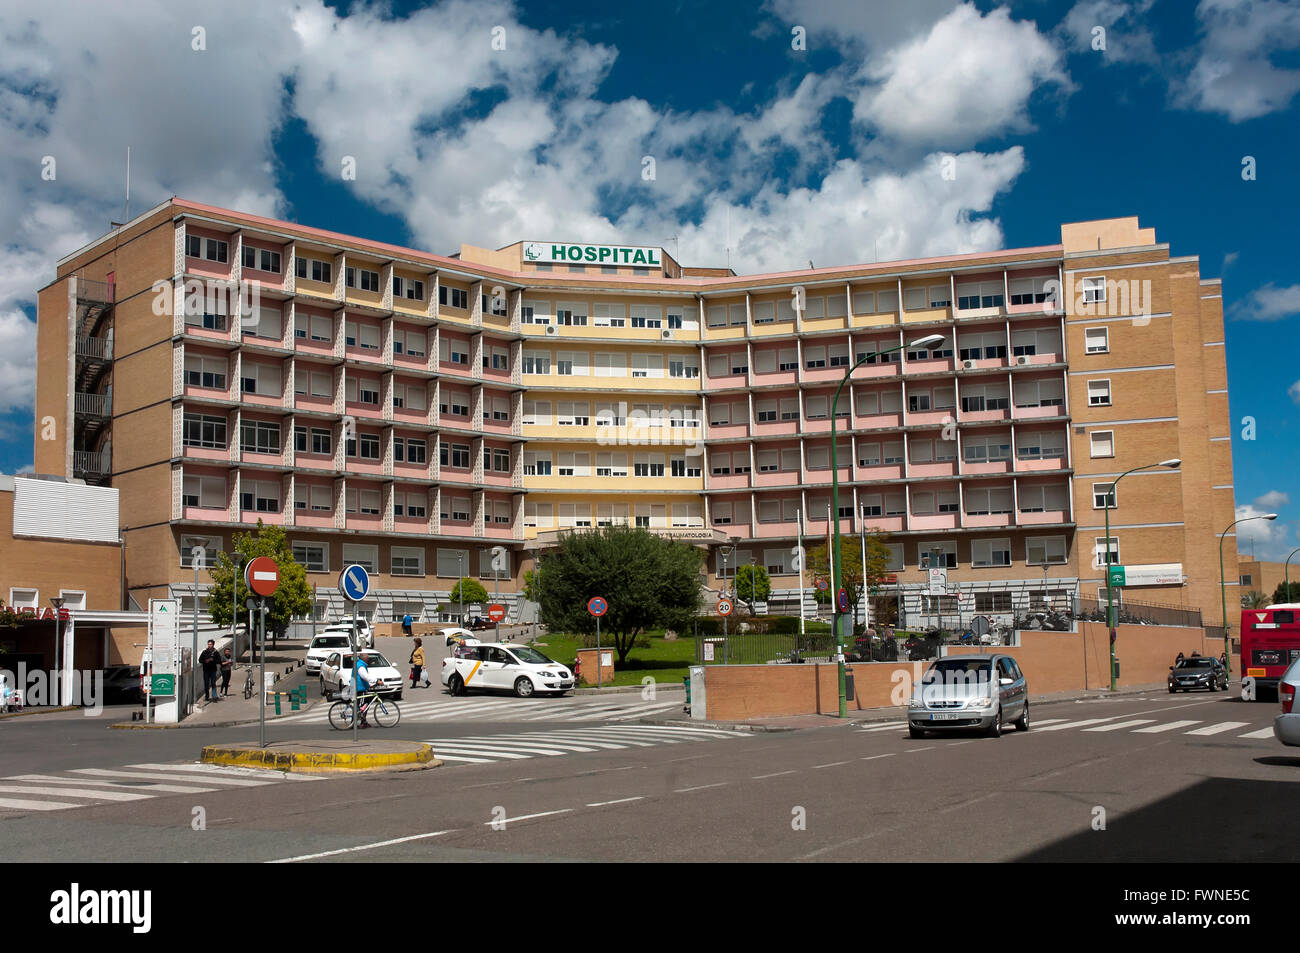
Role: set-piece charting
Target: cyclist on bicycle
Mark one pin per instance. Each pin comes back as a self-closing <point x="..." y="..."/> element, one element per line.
<point x="362" y="676"/>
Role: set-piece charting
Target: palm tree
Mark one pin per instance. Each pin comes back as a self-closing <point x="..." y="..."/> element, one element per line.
<point x="1254" y="600"/>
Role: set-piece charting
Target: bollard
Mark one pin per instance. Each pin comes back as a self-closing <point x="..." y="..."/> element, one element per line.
<point x="277" y="703"/>
<point x="293" y="701"/>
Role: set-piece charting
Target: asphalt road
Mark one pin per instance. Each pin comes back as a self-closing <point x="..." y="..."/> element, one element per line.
<point x="1172" y="778"/>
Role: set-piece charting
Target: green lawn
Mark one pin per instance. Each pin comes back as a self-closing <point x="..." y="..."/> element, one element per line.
<point x="667" y="662"/>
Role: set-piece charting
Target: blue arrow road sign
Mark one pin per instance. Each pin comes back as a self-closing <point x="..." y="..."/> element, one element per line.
<point x="354" y="583"/>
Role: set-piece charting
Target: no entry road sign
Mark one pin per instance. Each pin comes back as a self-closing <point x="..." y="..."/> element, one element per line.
<point x="262" y="575"/>
<point x="497" y="612"/>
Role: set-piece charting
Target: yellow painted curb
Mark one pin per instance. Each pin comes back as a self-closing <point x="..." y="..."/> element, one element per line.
<point x="321" y="762"/>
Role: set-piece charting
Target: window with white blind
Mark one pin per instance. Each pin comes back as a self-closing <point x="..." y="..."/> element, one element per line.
<point x="1096" y="340"/>
<point x="261" y="496"/>
<point x="990" y="552"/>
<point x="1044" y="550"/>
<point x="946" y="556"/>
<point x="538" y="515"/>
<point x="1100" y="554"/>
<point x="203" y="371"/>
<point x="367" y="557"/>
<point x="646" y="316"/>
<point x="765" y="361"/>
<point x="454" y="403"/>
<point x="406" y="561"/>
<point x="819" y="458"/>
<point x="267" y="324"/>
<point x="573" y="413"/>
<point x="1099" y="393"/>
<point x="208" y="492"/>
<point x="1094" y="290"/>
<point x="537" y="412"/>
<point x="986" y="449"/>
<point x="535" y="312"/>
<point x="815" y="407"/>
<point x="1044" y="445"/>
<point x="979" y="294"/>
<point x="410" y="504"/>
<point x="537" y="463"/>
<point x="608" y="314"/>
<point x="1040" y="393"/>
<point x="262" y="379"/>
<point x="575" y="515"/>
<point x="769" y="461"/>
<point x="537" y="362"/>
<point x="609" y="365"/>
<point x="981" y="501"/>
<point x="411" y="396"/>
<point x="814" y="358"/>
<point x="864" y="302"/>
<point x="1103" y="494"/>
<point x="1102" y="443"/>
<point x="1041" y="498"/>
<point x="313" y="497"/>
<point x="452" y="563"/>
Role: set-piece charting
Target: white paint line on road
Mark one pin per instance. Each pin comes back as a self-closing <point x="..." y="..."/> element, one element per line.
<point x="700" y="787"/>
<point x="875" y="756"/>
<point x="1039" y="722"/>
<point x="1038" y="726"/>
<point x="114" y="785"/>
<point x="953" y="744"/>
<point x="451" y="757"/>
<point x="75" y="792"/>
<point x="566" y="738"/>
<point x="1219" y="728"/>
<point x="1119" y="725"/>
<point x="477" y="750"/>
<point x="964" y="804"/>
<point x="1168" y="726"/>
<point x="20" y="805"/>
<point x="926" y="748"/>
<point x="515" y="742"/>
<point x="622" y="800"/>
<point x="888" y="726"/>
<point x="761" y="777"/>
<point x="833" y="764"/>
<point x="1262" y="733"/>
<point x="236" y="772"/>
<point x="351" y="850"/>
<point x="527" y="817"/>
<point x="160" y="776"/>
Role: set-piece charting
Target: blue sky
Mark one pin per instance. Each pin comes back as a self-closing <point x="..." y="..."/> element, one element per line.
<point x="765" y="155"/>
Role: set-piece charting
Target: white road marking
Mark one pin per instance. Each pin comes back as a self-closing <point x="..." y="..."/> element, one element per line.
<point x="161" y="776"/>
<point x="875" y="756"/>
<point x="451" y="757"/>
<point x="75" y="792"/>
<point x="1219" y="728"/>
<point x="760" y="777"/>
<point x="20" y="805"/>
<point x="1262" y="733"/>
<point x="926" y="748"/>
<point x="351" y="850"/>
<point x="112" y="785"/>
<point x="229" y="770"/>
<point x="1039" y="722"/>
<point x="1118" y="725"/>
<point x="1074" y="724"/>
<point x="887" y="726"/>
<point x="700" y="787"/>
<point x="528" y="817"/>
<point x="1168" y="726"/>
<point x="622" y="800"/>
<point x="475" y="749"/>
<point x="832" y="764"/>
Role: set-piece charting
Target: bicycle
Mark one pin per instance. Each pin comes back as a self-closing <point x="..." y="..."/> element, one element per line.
<point x="248" y="682"/>
<point x="384" y="712"/>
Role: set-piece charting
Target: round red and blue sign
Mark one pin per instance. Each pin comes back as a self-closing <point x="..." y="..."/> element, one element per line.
<point x="597" y="606"/>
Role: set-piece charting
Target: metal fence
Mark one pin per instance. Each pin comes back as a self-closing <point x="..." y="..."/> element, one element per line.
<point x="1137" y="613"/>
<point x="760" y="648"/>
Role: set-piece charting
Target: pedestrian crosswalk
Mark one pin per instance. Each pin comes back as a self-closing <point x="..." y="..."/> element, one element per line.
<point x="482" y="749"/>
<point x="89" y="787"/>
<point x="488" y="708"/>
<point x="1196" y="728"/>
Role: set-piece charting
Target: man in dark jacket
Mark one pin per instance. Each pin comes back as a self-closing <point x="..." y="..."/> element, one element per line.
<point x="210" y="659"/>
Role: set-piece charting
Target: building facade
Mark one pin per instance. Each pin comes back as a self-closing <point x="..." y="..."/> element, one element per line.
<point x="425" y="415"/>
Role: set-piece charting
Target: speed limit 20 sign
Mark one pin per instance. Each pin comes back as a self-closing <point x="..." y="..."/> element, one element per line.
<point x="724" y="607"/>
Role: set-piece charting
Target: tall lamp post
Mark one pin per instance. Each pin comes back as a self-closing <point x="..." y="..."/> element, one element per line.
<point x="1286" y="577"/>
<point x="837" y="616"/>
<point x="1223" y="587"/>
<point x="57" y="602"/>
<point x="1172" y="464"/>
<point x="460" y="558"/>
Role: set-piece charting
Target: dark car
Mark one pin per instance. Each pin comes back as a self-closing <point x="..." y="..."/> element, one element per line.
<point x="122" y="685"/>
<point x="478" y="623"/>
<point x="1196" y="672"/>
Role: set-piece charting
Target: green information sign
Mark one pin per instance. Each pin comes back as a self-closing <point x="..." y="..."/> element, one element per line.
<point x="1117" y="576"/>
<point x="163" y="685"/>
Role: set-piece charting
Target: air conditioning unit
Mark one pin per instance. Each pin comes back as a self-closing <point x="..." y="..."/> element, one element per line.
<point x="1022" y="360"/>
<point x="968" y="364"/>
<point x="667" y="335"/>
<point x="552" y="329"/>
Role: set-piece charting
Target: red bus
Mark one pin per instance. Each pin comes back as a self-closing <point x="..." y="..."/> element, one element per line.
<point x="1270" y="641"/>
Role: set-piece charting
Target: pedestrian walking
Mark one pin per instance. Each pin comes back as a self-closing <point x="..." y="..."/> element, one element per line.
<point x="227" y="669"/>
<point x="406" y="624"/>
<point x="417" y="662"/>
<point x="211" y="662"/>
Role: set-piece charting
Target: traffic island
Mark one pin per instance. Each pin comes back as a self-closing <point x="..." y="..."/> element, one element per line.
<point x="326" y="757"/>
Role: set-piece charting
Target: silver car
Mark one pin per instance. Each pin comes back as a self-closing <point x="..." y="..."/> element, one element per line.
<point x="970" y="691"/>
<point x="1286" y="726"/>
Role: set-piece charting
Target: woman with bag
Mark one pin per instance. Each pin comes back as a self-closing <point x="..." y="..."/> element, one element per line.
<point x="417" y="662"/>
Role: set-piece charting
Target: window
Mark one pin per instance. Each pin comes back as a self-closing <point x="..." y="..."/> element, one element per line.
<point x="974" y="347"/>
<point x="409" y="504"/>
<point x="452" y="562"/>
<point x="1040" y="446"/>
<point x="1031" y="290"/>
<point x="262" y="259"/>
<point x="357" y="390"/>
<point x="453" y="297"/>
<point x="538" y="514"/>
<point x="314" y="557"/>
<point x="492" y="305"/>
<point x="367" y="557"/>
<point x="537" y="412"/>
<point x="940" y="296"/>
<point x="454" y="455"/>
<point x="410" y="343"/>
<point x="946" y="557"/>
<point x="914" y="299"/>
<point x="814" y="357"/>
<point x="1044" y="550"/>
<point x="573" y="413"/>
<point x="500" y="461"/>
<point x="1245" y="579"/>
<point x="979" y="294"/>
<point x="992" y="602"/>
<point x="982" y="397"/>
<point x="259" y="436"/>
<point x="262" y="496"/>
<point x="260" y="379"/>
<point x="205" y="491"/>
<point x="205" y="372"/>
<point x="1100" y="555"/>
<point x="990" y="552"/>
<point x="570" y="314"/>
<point x="211" y="249"/>
<point x="1042" y="393"/>
<point x="409" y="396"/>
<point x="362" y="501"/>
<point x="1102" y="443"/>
<point x="648" y="465"/>
<point x="411" y="288"/>
<point x="535" y="312"/>
<point x="201" y="430"/>
<point x="314" y="269"/>
<point x="1103" y="494"/>
<point x="313" y="496"/>
<point x="369" y="279"/>
<point x="1099" y="393"/>
<point x="410" y="450"/>
<point x="1096" y="340"/>
<point x="683" y="367"/>
<point x="454" y="405"/>
<point x="815" y="408"/>
<point x="365" y="447"/>
<point x="988" y="501"/>
<point x="1040" y="498"/>
<point x="1094" y="290"/>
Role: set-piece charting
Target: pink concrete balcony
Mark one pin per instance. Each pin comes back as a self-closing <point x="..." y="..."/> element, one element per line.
<point x="459" y="371"/>
<point x="252" y="516"/>
<point x="876" y="371"/>
<point x="823" y="475"/>
<point x="729" y="481"/>
<point x="824" y="425"/>
<point x="205" y="513"/>
<point x="1045" y="518"/>
<point x="357" y="466"/>
<point x="358" y="353"/>
<point x="212" y="393"/>
<point x="933" y="469"/>
<point x="1043" y="357"/>
<point x="459" y="477"/>
<point x="824" y="375"/>
<point x="263" y="400"/>
<point x="932" y="365"/>
<point x="263" y="459"/>
<point x="883" y="524"/>
<point x="499" y="531"/>
<point x="935" y="521"/>
<point x="776" y="428"/>
<point x="308" y="346"/>
<point x="419" y="362"/>
<point x="217" y="455"/>
<point x="1040" y="465"/>
<point x="988" y="519"/>
<point x="410" y="524"/>
<point x="496" y="374"/>
<point x="493" y="478"/>
<point x="208" y="269"/>
<point x="199" y="333"/>
<point x="322" y="405"/>
<point x="775" y="377"/>
<point x="313" y="461"/>
<point x="777" y="478"/>
<point x="410" y="471"/>
<point x="365" y="522"/>
<point x="982" y="416"/>
<point x="363" y="411"/>
<point x="723" y="380"/>
<point x="410" y="415"/>
<point x="267" y="279"/>
<point x="323" y="519"/>
<point x="937" y="418"/>
<point x="457" y="527"/>
<point x="893" y="471"/>
<point x="719" y="431"/>
<point x="496" y="426"/>
<point x="878" y="421"/>
<point x="1039" y="413"/>
<point x="982" y="362"/>
<point x="778" y="529"/>
<point x="992" y="466"/>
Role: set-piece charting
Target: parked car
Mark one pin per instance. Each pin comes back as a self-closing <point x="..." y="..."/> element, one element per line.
<point x="478" y="623"/>
<point x="337" y="672"/>
<point x="504" y="667"/>
<point x="1188" y="674"/>
<point x="1286" y="726"/>
<point x="970" y="691"/>
<point x="365" y="633"/>
<point x="323" y="646"/>
<point x="122" y="685"/>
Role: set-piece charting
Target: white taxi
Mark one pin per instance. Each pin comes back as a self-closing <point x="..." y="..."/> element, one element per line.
<point x="504" y="667"/>
<point x="336" y="672"/>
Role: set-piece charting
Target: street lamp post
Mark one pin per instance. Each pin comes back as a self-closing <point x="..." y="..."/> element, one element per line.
<point x="1286" y="577"/>
<point x="57" y="602"/>
<point x="836" y="615"/>
<point x="725" y="552"/>
<point x="460" y="558"/>
<point x="1172" y="464"/>
<point x="1223" y="587"/>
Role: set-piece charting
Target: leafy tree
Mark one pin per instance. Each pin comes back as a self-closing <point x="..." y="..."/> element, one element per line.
<point x="293" y="599"/>
<point x="1280" y="594"/>
<point x="850" y="560"/>
<point x="752" y="584"/>
<point x="648" y="582"/>
<point x="1254" y="600"/>
<point x="474" y="592"/>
